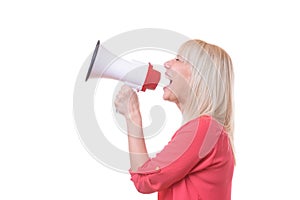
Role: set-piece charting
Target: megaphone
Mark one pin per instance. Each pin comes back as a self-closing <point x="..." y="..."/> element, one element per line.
<point x="137" y="75"/>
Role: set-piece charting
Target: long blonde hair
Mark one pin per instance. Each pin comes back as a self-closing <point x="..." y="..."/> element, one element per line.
<point x="211" y="84"/>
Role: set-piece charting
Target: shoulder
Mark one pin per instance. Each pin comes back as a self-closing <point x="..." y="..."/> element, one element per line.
<point x="201" y="124"/>
<point x="204" y="131"/>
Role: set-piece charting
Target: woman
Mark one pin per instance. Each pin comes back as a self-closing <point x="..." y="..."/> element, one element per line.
<point x="198" y="162"/>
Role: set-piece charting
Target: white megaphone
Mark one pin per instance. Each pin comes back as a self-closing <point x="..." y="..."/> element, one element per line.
<point x="137" y="75"/>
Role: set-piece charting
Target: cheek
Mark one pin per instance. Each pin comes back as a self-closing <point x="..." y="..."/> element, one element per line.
<point x="186" y="71"/>
<point x="180" y="89"/>
<point x="188" y="74"/>
<point x="181" y="83"/>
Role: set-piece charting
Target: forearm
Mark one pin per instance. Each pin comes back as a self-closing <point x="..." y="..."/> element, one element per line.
<point x="136" y="142"/>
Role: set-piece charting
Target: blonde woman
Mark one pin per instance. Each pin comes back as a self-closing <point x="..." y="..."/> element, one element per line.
<point x="198" y="162"/>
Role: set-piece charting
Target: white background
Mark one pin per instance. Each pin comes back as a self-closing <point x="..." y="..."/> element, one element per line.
<point x="44" y="43"/>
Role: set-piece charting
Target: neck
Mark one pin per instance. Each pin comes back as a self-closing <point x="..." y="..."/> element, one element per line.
<point x="180" y="105"/>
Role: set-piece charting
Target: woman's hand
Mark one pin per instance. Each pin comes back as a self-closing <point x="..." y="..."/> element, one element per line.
<point x="127" y="102"/>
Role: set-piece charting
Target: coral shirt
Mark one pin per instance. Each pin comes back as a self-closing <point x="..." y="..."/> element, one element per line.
<point x="196" y="164"/>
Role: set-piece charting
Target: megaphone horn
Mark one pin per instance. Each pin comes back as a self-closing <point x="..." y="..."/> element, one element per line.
<point x="135" y="74"/>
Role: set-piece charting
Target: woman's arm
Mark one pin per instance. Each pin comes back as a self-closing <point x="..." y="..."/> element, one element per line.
<point x="127" y="104"/>
<point x="192" y="145"/>
<point x="136" y="142"/>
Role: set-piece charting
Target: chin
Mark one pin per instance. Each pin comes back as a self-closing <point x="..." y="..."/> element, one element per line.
<point x="168" y="95"/>
<point x="165" y="96"/>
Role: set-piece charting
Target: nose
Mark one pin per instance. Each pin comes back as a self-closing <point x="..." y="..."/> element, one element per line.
<point x="167" y="64"/>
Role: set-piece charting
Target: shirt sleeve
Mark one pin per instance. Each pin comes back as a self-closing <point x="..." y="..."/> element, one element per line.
<point x="188" y="147"/>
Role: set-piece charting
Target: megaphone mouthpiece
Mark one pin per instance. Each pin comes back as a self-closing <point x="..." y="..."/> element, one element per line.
<point x="152" y="79"/>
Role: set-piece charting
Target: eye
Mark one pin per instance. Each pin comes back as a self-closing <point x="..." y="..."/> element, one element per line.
<point x="178" y="59"/>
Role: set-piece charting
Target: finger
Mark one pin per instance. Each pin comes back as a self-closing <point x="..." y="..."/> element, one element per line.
<point x="118" y="96"/>
<point x="126" y="89"/>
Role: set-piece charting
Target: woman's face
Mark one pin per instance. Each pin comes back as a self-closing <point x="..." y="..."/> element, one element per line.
<point x="179" y="73"/>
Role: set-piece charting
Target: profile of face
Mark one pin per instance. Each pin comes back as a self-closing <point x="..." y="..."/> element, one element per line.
<point x="178" y="71"/>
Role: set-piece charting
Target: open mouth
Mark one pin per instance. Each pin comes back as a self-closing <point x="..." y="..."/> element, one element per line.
<point x="168" y="78"/>
<point x="169" y="82"/>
